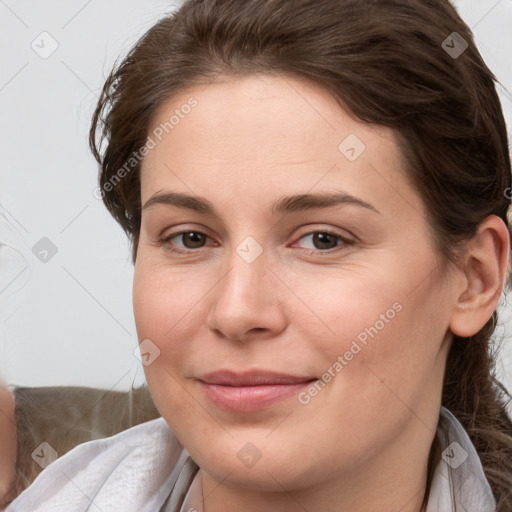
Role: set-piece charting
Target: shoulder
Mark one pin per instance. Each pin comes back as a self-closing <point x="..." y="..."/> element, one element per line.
<point x="132" y="470"/>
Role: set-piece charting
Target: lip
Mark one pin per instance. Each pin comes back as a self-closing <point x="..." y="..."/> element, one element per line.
<point x="250" y="391"/>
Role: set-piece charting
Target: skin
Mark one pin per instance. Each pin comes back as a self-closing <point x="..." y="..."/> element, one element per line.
<point x="362" y="443"/>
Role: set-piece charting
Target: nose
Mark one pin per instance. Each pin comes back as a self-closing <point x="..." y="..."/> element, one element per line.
<point x="247" y="302"/>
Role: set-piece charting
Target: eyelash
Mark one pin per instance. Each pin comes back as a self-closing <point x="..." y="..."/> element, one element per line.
<point x="345" y="241"/>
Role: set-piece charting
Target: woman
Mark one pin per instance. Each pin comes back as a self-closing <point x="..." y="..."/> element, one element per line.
<point x="316" y="196"/>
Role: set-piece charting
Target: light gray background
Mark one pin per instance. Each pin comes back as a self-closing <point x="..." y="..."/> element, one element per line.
<point x="70" y="320"/>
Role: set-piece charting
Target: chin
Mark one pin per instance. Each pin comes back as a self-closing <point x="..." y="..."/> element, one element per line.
<point x="274" y="470"/>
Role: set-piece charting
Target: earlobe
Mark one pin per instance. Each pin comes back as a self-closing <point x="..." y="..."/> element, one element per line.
<point x="485" y="265"/>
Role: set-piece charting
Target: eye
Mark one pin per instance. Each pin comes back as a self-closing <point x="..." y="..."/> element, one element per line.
<point x="189" y="240"/>
<point x="185" y="241"/>
<point x="324" y="240"/>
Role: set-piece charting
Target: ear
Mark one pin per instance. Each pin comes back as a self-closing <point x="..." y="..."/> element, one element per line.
<point x="484" y="270"/>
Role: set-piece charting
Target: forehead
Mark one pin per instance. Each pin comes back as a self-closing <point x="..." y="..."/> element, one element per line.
<point x="264" y="133"/>
<point x="284" y="113"/>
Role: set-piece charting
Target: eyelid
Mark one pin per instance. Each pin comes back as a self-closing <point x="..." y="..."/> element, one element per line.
<point x="318" y="227"/>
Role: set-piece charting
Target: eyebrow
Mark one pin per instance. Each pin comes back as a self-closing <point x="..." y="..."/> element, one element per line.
<point x="290" y="204"/>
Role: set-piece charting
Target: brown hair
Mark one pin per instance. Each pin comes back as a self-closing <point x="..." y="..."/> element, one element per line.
<point x="385" y="62"/>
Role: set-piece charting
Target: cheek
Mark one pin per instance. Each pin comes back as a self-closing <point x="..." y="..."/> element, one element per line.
<point x="165" y="308"/>
<point x="381" y="335"/>
<point x="352" y="311"/>
<point x="163" y="302"/>
<point x="164" y="313"/>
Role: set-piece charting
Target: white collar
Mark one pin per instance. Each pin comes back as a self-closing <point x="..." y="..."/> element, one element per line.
<point x="459" y="483"/>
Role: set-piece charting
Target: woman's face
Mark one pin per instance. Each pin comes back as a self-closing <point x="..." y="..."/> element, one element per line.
<point x="286" y="284"/>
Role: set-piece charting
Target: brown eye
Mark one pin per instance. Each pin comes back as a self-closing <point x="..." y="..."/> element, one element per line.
<point x="193" y="239"/>
<point x="323" y="240"/>
<point x="185" y="240"/>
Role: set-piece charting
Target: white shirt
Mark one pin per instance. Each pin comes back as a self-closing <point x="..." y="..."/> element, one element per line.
<point x="145" y="469"/>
